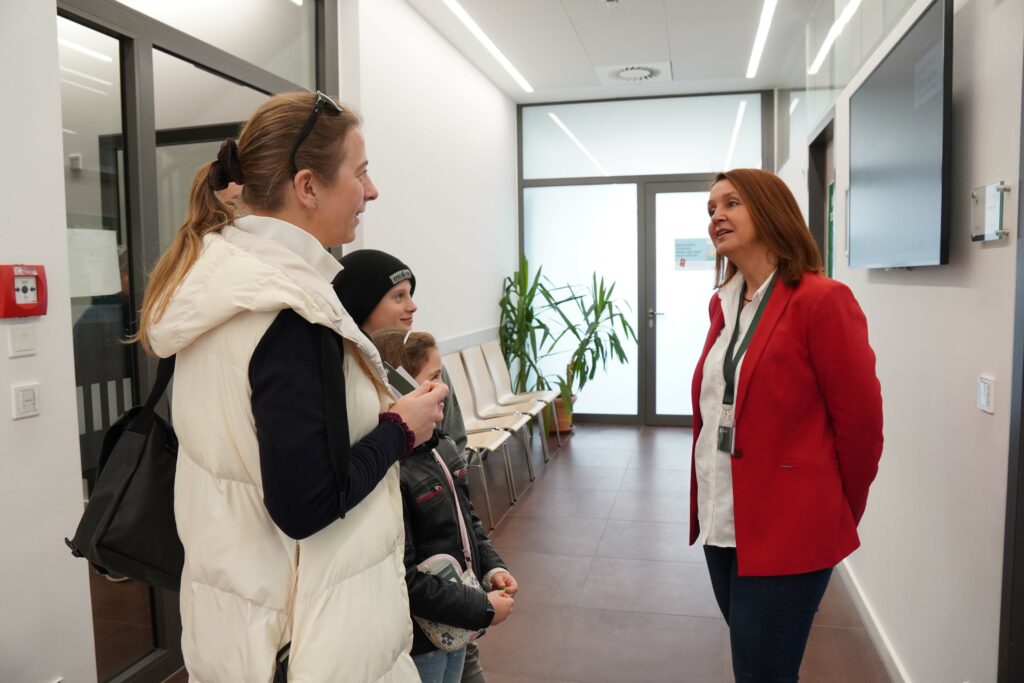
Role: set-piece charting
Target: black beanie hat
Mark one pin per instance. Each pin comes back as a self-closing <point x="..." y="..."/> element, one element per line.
<point x="367" y="275"/>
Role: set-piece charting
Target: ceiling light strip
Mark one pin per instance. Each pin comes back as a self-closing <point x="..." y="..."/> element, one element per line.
<point x="85" y="51"/>
<point x="83" y="87"/>
<point x="833" y="33"/>
<point x="86" y="76"/>
<point x="565" y="129"/>
<point x="735" y="134"/>
<point x="761" y="37"/>
<point x="467" y="20"/>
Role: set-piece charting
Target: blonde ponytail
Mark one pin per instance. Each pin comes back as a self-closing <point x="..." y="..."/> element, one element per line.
<point x="260" y="163"/>
<point x="206" y="214"/>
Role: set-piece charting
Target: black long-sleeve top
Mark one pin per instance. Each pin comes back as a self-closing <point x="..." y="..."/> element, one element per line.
<point x="287" y="379"/>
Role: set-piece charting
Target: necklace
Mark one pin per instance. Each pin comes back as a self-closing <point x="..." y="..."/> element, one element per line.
<point x="750" y="300"/>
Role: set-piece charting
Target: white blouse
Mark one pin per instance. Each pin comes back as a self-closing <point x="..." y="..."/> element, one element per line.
<point x="713" y="467"/>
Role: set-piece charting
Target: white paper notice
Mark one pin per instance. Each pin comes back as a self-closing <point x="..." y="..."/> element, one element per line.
<point x="694" y="254"/>
<point x="92" y="255"/>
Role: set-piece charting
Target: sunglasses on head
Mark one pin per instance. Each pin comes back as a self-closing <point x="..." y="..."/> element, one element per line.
<point x="322" y="103"/>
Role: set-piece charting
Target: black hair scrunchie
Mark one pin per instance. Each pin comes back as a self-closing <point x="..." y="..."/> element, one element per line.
<point x="227" y="168"/>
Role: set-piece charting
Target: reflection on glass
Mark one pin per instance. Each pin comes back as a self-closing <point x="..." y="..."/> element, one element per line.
<point x="834" y="61"/>
<point x="684" y="283"/>
<point x="572" y="232"/>
<point x="195" y="112"/>
<point x="277" y="35"/>
<point x="642" y="137"/>
<point x="90" y="85"/>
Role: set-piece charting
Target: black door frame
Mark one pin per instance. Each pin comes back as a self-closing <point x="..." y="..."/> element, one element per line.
<point x="1011" y="623"/>
<point x="138" y="35"/>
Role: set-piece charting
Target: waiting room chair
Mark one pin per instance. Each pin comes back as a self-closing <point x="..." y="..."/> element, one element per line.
<point x="474" y="424"/>
<point x="485" y="396"/>
<point x="479" y="444"/>
<point x="503" y="384"/>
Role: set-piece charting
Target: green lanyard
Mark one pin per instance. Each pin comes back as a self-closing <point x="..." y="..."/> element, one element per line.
<point x="732" y="360"/>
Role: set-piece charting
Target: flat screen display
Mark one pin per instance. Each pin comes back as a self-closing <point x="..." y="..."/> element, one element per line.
<point x="899" y="151"/>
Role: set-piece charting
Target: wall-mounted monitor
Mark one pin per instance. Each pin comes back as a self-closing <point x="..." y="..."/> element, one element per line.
<point x="900" y="150"/>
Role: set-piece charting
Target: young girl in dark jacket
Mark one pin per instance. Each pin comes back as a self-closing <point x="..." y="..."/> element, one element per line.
<point x="431" y="527"/>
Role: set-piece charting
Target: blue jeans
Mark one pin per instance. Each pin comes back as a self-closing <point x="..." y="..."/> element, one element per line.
<point x="438" y="666"/>
<point x="769" y="617"/>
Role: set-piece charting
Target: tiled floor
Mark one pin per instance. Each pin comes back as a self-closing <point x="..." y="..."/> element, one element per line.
<point x="122" y="623"/>
<point x="610" y="590"/>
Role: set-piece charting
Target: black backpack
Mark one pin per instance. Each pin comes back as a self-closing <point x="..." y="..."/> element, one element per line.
<point x="128" y="526"/>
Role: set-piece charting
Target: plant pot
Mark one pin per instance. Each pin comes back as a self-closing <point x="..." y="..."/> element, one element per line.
<point x="562" y="416"/>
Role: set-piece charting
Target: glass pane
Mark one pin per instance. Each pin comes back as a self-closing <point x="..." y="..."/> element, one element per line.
<point x="685" y="276"/>
<point x="573" y="232"/>
<point x="277" y="35"/>
<point x="642" y="137"/>
<point x="90" y="86"/>
<point x="195" y="111"/>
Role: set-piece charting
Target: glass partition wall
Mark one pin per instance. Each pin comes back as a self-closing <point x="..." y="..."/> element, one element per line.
<point x="143" y="105"/>
<point x="619" y="188"/>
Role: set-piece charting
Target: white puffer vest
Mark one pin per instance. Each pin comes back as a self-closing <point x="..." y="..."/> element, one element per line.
<point x="338" y="596"/>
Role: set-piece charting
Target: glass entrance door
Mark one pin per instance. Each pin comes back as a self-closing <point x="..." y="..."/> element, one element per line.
<point x="680" y="269"/>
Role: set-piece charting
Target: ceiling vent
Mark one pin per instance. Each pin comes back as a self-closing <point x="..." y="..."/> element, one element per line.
<point x="634" y="73"/>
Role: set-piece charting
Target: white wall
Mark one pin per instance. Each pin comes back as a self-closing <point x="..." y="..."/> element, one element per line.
<point x="441" y="140"/>
<point x="46" y="629"/>
<point x="930" y="569"/>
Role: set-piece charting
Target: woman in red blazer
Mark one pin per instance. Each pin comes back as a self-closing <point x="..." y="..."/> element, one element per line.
<point x="787" y="425"/>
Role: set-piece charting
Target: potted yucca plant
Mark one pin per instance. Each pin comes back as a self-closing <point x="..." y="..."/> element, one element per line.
<point x="592" y="321"/>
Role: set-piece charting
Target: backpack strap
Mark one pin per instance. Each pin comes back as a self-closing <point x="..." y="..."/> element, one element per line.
<point x="164" y="372"/>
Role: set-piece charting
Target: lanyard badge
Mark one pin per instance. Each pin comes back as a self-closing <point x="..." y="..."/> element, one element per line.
<point x="727" y="424"/>
<point x="726" y="431"/>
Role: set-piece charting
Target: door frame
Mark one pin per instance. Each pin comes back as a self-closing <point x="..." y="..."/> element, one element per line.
<point x="649" y="293"/>
<point x="138" y="35"/>
<point x="1011" y="622"/>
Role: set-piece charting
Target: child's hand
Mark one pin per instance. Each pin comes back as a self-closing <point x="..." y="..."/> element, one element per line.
<point x="502" y="603"/>
<point x="505" y="580"/>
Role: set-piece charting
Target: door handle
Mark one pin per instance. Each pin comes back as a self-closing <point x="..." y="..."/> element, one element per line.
<point x="650" y="316"/>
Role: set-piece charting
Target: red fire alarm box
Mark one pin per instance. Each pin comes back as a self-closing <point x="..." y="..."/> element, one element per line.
<point x="24" y="291"/>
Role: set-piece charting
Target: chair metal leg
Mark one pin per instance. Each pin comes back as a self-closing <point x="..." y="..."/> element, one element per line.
<point x="542" y="422"/>
<point x="524" y="435"/>
<point x="483" y="483"/>
<point x="512" y="493"/>
<point x="554" y="419"/>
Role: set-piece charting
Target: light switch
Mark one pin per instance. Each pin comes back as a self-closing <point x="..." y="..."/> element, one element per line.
<point x="21" y="340"/>
<point x="986" y="394"/>
<point x="26" y="400"/>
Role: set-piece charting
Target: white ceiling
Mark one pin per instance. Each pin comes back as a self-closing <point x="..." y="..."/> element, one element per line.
<point x="559" y="45"/>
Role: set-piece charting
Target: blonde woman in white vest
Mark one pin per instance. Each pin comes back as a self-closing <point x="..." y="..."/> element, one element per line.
<point x="293" y="535"/>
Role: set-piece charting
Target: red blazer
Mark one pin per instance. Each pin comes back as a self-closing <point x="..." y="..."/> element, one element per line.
<point x="808" y="421"/>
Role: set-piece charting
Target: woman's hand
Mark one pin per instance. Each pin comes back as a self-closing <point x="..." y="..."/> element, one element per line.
<point x="504" y="580"/>
<point x="420" y="409"/>
<point x="502" y="603"/>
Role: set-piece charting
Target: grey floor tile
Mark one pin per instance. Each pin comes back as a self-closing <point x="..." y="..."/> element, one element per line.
<point x="557" y="535"/>
<point x="666" y="648"/>
<point x="651" y="507"/>
<point x="593" y="504"/>
<point x="546" y="579"/>
<point x="644" y="586"/>
<point x="649" y="541"/>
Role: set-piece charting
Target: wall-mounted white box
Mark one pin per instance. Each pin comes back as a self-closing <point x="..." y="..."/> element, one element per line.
<point x="26" y="400"/>
<point x="21" y="340"/>
<point x="986" y="394"/>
